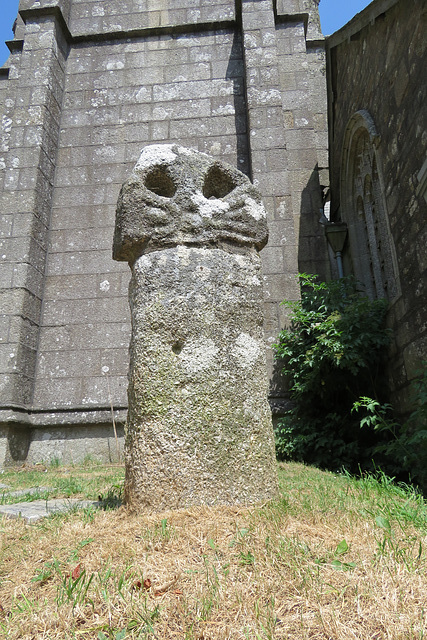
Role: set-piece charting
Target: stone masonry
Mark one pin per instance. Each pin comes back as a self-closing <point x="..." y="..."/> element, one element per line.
<point x="199" y="427"/>
<point x="87" y="85"/>
<point x="378" y="150"/>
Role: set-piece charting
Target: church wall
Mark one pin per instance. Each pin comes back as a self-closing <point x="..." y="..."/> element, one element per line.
<point x="88" y="84"/>
<point x="377" y="66"/>
<point x="118" y="98"/>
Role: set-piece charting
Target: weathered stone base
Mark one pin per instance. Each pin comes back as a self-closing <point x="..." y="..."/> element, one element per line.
<point x="199" y="428"/>
<point x="66" y="443"/>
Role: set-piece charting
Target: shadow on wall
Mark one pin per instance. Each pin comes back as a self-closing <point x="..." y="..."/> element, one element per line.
<point x="313" y="257"/>
<point x="312" y="244"/>
<point x="18" y="440"/>
<point x="278" y="393"/>
<point x="235" y="73"/>
<point x="71" y="444"/>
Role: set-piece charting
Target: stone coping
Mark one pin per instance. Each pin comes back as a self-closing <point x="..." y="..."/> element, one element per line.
<point x="61" y="418"/>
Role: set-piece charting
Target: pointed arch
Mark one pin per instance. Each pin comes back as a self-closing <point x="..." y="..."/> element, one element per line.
<point x="363" y="208"/>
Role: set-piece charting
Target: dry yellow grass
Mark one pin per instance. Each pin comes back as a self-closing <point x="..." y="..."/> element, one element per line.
<point x="275" y="571"/>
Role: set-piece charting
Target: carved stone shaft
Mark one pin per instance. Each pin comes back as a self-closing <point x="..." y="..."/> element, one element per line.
<point x="199" y="425"/>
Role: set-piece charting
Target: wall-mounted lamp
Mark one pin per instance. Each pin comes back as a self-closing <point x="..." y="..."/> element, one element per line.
<point x="336" y="234"/>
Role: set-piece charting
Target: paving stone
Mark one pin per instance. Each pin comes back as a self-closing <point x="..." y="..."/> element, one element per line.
<point x="30" y="491"/>
<point x="34" y="511"/>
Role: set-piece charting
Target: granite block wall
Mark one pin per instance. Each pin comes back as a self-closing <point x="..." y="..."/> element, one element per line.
<point x="87" y="86"/>
<point x="388" y="89"/>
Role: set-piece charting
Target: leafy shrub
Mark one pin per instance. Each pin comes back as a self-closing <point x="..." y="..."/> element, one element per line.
<point x="406" y="447"/>
<point x="332" y="356"/>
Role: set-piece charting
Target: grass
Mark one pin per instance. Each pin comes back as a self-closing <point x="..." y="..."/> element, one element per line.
<point x="334" y="558"/>
<point x="87" y="482"/>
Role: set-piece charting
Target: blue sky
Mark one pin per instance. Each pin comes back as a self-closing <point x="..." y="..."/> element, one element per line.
<point x="8" y="11"/>
<point x="333" y="15"/>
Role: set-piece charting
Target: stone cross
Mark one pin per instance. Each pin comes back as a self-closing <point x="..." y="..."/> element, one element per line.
<point x="199" y="427"/>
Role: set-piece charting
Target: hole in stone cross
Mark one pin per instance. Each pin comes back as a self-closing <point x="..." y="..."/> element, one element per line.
<point x="177" y="348"/>
<point x="218" y="183"/>
<point x="160" y="183"/>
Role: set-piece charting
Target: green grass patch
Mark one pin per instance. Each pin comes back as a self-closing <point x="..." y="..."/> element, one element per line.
<point x="88" y="482"/>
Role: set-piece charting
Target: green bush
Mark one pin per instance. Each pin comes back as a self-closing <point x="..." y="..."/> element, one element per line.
<point x="332" y="355"/>
<point x="406" y="448"/>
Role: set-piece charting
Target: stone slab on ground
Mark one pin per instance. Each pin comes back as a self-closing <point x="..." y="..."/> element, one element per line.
<point x="33" y="511"/>
<point x="23" y="492"/>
